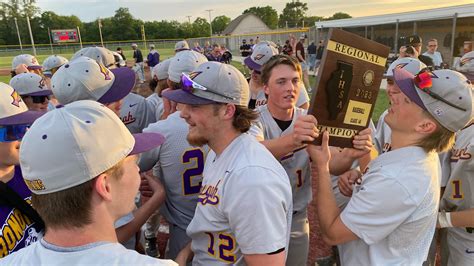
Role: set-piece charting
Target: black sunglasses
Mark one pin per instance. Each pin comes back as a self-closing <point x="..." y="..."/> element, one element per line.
<point x="40" y="99"/>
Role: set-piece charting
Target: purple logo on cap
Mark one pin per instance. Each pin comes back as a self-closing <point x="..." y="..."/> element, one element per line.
<point x="258" y="57"/>
<point x="16" y="99"/>
<point x="104" y="71"/>
<point x="41" y="83"/>
<point x="402" y="65"/>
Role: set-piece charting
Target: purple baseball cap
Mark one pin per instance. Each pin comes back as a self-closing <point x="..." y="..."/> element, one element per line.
<point x="262" y="52"/>
<point x="405" y="81"/>
<point x="30" y="84"/>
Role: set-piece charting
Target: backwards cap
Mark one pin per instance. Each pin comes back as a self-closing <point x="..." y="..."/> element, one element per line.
<point x="74" y="144"/>
<point x="450" y="102"/>
<point x="87" y="79"/>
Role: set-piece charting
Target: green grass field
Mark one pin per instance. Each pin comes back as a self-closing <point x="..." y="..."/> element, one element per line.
<point x="5" y="62"/>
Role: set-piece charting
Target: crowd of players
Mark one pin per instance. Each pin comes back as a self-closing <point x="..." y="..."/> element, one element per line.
<point x="225" y="161"/>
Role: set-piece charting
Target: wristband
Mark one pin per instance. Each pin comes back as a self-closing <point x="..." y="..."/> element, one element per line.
<point x="444" y="219"/>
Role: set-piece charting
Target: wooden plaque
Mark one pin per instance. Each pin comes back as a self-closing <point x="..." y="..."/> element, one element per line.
<point x="347" y="86"/>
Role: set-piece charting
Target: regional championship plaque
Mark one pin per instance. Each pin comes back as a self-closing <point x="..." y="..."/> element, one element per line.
<point x="347" y="86"/>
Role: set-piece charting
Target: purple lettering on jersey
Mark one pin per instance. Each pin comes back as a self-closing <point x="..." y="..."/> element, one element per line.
<point x="208" y="194"/>
<point x="460" y="154"/>
<point x="128" y="119"/>
<point x="17" y="230"/>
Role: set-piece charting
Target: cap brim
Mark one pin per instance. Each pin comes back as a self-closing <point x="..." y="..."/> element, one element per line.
<point x="146" y="141"/>
<point x="41" y="93"/>
<point x="181" y="96"/>
<point x="251" y="64"/>
<point x="34" y="67"/>
<point x="27" y="117"/>
<point x="404" y="80"/>
<point x="122" y="86"/>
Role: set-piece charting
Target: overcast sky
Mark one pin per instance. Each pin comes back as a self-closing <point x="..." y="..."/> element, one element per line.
<point x="148" y="10"/>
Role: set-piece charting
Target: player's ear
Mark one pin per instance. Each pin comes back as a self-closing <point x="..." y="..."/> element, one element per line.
<point x="426" y="126"/>
<point x="229" y="111"/>
<point x="103" y="187"/>
<point x="266" y="89"/>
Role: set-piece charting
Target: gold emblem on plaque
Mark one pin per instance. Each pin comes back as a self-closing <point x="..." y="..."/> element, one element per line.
<point x="368" y="78"/>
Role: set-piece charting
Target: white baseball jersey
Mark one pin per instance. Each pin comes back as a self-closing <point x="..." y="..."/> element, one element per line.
<point x="244" y="205"/>
<point x="296" y="163"/>
<point x="180" y="167"/>
<point x="394" y="211"/>
<point x="155" y="106"/>
<point x="98" y="253"/>
<point x="134" y="113"/>
<point x="302" y="98"/>
<point x="383" y="135"/>
<point x="459" y="195"/>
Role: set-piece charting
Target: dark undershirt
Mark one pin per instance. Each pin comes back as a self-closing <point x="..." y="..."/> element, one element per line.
<point x="283" y="125"/>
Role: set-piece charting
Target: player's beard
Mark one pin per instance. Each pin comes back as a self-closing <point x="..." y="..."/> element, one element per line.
<point x="196" y="140"/>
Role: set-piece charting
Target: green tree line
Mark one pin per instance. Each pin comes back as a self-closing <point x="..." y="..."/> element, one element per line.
<point x="123" y="26"/>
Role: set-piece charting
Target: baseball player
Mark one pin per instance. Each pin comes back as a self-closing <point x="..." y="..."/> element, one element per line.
<point x="457" y="202"/>
<point x="181" y="46"/>
<point x="392" y="214"/>
<point x="139" y="66"/>
<point x="155" y="102"/>
<point x="279" y="128"/>
<point x="17" y="226"/>
<point x="383" y="132"/>
<point x="25" y="63"/>
<point x="178" y="164"/>
<point x="260" y="55"/>
<point x="33" y="91"/>
<point x="244" y="209"/>
<point x="52" y="63"/>
<point x="88" y="192"/>
<point x="134" y="110"/>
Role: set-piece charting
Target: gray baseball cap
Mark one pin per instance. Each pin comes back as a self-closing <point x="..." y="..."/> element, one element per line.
<point x="75" y="143"/>
<point x="445" y="94"/>
<point x="53" y="61"/>
<point x="13" y="111"/>
<point x="262" y="52"/>
<point x="212" y="82"/>
<point x="410" y="64"/>
<point x="30" y="61"/>
<point x="181" y="46"/>
<point x="100" y="54"/>
<point x="161" y="70"/>
<point x="86" y="79"/>
<point x="30" y="84"/>
<point x="184" y="62"/>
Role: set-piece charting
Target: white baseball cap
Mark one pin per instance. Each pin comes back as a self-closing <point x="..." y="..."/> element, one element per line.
<point x="445" y="94"/>
<point x="412" y="65"/>
<point x="30" y="84"/>
<point x="30" y="61"/>
<point x="161" y="70"/>
<point x="75" y="143"/>
<point x="100" y="54"/>
<point x="13" y="111"/>
<point x="184" y="62"/>
<point x="86" y="79"/>
<point x="53" y="61"/>
<point x="262" y="52"/>
<point x="212" y="82"/>
<point x="181" y="46"/>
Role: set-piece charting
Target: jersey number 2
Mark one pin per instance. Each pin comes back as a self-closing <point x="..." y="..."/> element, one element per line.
<point x="189" y="156"/>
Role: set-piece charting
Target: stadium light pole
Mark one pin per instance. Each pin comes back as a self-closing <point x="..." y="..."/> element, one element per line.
<point x="31" y="34"/>
<point x="100" y="33"/>
<point x="210" y="20"/>
<point x="18" y="33"/>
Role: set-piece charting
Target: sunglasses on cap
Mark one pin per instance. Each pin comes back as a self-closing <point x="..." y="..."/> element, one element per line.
<point x="12" y="132"/>
<point x="189" y="85"/>
<point x="423" y="81"/>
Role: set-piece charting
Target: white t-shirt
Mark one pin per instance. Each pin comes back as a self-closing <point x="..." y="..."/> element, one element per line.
<point x="98" y="253"/>
<point x="436" y="57"/>
<point x="394" y="210"/>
